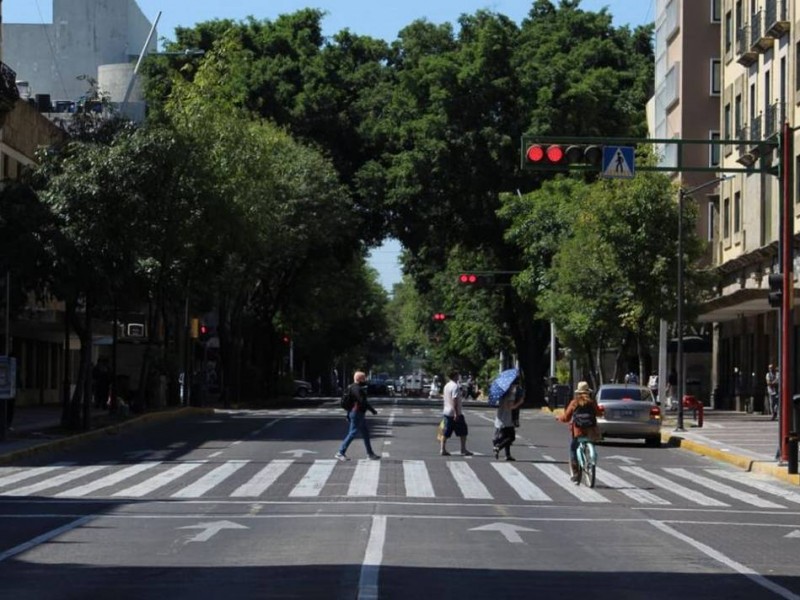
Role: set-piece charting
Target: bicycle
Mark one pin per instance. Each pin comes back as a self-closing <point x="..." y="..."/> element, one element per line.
<point x="587" y="461"/>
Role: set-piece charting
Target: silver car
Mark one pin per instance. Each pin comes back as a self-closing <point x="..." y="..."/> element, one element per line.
<point x="628" y="411"/>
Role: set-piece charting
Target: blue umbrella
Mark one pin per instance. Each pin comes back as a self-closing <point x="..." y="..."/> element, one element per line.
<point x="501" y="384"/>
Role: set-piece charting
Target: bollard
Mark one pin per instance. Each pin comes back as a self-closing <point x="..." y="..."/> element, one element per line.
<point x="695" y="405"/>
<point x="791" y="444"/>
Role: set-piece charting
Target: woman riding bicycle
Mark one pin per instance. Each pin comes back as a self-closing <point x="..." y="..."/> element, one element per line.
<point x="581" y="414"/>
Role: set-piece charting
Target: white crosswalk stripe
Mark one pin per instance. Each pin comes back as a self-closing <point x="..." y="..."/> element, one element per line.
<point x="262" y="480"/>
<point x="53" y="482"/>
<point x="420" y="479"/>
<point x="526" y="489"/>
<point x="581" y="492"/>
<point x="628" y="489"/>
<point x="417" y="481"/>
<point x="724" y="489"/>
<point x="674" y="487"/>
<point x="311" y="485"/>
<point x="107" y="481"/>
<point x="467" y="481"/>
<point x="210" y="480"/>
<point x="158" y="481"/>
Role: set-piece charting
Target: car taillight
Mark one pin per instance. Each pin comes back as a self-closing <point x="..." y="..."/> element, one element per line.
<point x="655" y="412"/>
<point x="601" y="410"/>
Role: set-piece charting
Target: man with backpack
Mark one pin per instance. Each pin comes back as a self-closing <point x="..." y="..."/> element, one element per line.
<point x="355" y="402"/>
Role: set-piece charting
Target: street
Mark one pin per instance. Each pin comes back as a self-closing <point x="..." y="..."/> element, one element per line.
<point x="252" y="504"/>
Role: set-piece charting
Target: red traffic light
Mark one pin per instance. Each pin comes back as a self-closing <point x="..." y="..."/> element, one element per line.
<point x="203" y="329"/>
<point x="468" y="278"/>
<point x="439" y="317"/>
<point x="557" y="154"/>
<point x="553" y="154"/>
<point x="286" y="339"/>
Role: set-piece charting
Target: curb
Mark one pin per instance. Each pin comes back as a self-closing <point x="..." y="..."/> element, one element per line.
<point x="71" y="440"/>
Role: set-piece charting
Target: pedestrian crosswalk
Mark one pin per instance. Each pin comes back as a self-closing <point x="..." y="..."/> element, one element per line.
<point x="483" y="481"/>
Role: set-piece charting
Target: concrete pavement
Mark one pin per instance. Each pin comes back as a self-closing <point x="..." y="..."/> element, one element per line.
<point x="748" y="441"/>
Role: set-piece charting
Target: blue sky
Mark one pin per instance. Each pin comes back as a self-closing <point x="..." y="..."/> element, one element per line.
<point x="377" y="18"/>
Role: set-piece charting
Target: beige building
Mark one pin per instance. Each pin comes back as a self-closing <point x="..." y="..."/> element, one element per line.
<point x="760" y="76"/>
<point x="686" y="106"/>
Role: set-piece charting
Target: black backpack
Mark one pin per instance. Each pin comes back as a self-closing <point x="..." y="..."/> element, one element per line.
<point x="347" y="402"/>
<point x="584" y="416"/>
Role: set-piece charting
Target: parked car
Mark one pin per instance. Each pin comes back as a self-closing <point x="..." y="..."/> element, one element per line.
<point x="628" y="411"/>
<point x="302" y="388"/>
<point x="378" y="387"/>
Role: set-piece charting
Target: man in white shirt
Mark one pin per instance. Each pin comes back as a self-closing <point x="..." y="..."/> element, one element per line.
<point x="453" y="416"/>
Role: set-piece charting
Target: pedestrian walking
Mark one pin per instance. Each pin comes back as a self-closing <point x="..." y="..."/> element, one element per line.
<point x="772" y="390"/>
<point x="356" y="403"/>
<point x="505" y="430"/>
<point x="101" y="382"/>
<point x="453" y="420"/>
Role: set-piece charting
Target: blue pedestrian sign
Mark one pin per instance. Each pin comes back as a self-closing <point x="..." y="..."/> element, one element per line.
<point x="618" y="162"/>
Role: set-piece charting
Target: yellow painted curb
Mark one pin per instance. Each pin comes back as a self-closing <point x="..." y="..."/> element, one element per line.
<point x="47" y="446"/>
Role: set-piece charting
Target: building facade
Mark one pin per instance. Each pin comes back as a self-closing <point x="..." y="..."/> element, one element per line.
<point x="760" y="77"/>
<point x="97" y="40"/>
<point x="686" y="106"/>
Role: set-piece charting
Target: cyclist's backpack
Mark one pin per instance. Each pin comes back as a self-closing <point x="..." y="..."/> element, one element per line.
<point x="584" y="416"/>
<point x="347" y="402"/>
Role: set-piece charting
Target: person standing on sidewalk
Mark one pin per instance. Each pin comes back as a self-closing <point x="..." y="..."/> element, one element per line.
<point x="772" y="390"/>
<point x="453" y="416"/>
<point x="356" y="394"/>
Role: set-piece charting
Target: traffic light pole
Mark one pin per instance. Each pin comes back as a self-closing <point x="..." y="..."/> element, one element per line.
<point x="785" y="262"/>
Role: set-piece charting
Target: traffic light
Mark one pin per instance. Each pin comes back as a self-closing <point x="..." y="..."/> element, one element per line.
<point x="286" y="339"/>
<point x="775" y="289"/>
<point x="563" y="155"/>
<point x="440" y="317"/>
<point x="204" y="332"/>
<point x="475" y="279"/>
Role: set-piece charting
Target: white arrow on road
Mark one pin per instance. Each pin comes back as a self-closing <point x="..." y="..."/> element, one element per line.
<point x="211" y="529"/>
<point x="298" y="453"/>
<point x="508" y="530"/>
<point x="793" y="534"/>
<point x="625" y="459"/>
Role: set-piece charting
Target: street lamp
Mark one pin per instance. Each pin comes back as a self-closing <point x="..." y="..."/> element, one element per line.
<point x="682" y="193"/>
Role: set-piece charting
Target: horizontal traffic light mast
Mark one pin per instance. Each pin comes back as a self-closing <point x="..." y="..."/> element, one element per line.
<point x="563" y="153"/>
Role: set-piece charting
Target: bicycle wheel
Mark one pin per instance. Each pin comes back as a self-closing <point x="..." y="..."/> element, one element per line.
<point x="588" y="464"/>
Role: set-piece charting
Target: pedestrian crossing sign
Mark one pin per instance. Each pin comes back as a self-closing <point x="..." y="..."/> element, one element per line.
<point x="618" y="162"/>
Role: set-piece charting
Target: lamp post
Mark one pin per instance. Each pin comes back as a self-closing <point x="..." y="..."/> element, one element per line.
<point x="682" y="193"/>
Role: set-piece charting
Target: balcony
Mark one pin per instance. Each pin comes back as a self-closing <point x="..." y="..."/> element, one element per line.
<point x="774" y="116"/>
<point x="746" y="55"/>
<point x="9" y="94"/>
<point x="760" y="40"/>
<point x="749" y="150"/>
<point x="776" y="18"/>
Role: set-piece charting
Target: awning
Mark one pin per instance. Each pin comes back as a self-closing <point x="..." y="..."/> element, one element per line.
<point x="741" y="303"/>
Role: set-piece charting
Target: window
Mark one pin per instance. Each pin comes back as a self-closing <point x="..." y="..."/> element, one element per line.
<point x="726" y="123"/>
<point x="737" y="212"/>
<point x="797" y="178"/>
<point x="797" y="67"/>
<point x="728" y="32"/>
<point x="726" y="218"/>
<point x="713" y="149"/>
<point x="716" y="11"/>
<point x="712" y="215"/>
<point x="737" y="114"/>
<point x="716" y="77"/>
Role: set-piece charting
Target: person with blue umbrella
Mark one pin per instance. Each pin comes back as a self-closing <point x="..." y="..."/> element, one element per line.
<point x="505" y="430"/>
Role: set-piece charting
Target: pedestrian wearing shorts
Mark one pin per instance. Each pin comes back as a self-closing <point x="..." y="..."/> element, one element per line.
<point x="453" y="416"/>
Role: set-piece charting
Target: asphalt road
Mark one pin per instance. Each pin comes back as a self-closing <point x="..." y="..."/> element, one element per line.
<point x="252" y="504"/>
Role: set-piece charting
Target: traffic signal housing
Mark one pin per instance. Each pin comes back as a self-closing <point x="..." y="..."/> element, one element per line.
<point x="563" y="156"/>
<point x="775" y="296"/>
<point x="475" y="279"/>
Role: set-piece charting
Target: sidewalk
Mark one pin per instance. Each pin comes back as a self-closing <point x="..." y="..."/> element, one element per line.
<point x="37" y="429"/>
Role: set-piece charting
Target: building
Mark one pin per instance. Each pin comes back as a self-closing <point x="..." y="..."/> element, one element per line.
<point x="760" y="52"/>
<point x="686" y="106"/>
<point x="88" y="40"/>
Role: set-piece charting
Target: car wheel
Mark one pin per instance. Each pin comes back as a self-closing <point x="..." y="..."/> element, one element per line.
<point x="301" y="393"/>
<point x="652" y="442"/>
